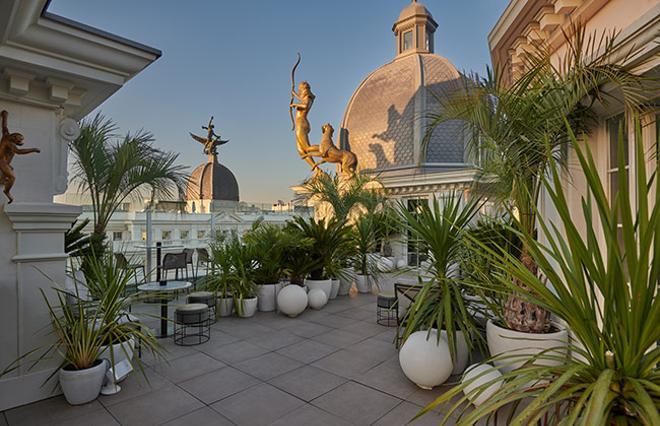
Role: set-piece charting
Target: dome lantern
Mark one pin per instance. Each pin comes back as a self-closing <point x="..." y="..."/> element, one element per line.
<point x="414" y="30"/>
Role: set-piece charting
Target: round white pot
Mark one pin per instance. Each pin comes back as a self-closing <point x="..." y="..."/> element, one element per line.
<point x="427" y="363"/>
<point x="292" y="300"/>
<point x="462" y="352"/>
<point x="345" y="282"/>
<point x="335" y="288"/>
<point x="505" y="342"/>
<point x="248" y="307"/>
<point x="225" y="306"/>
<point x="82" y="386"/>
<point x="325" y="285"/>
<point x="363" y="283"/>
<point x="316" y="298"/>
<point x="481" y="374"/>
<point x="122" y="353"/>
<point x="268" y="296"/>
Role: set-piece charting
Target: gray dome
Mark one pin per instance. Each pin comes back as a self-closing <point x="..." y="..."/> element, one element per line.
<point x="385" y="123"/>
<point x="212" y="181"/>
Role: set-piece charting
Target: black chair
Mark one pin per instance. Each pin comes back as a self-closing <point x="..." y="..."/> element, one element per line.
<point x="174" y="262"/>
<point x="405" y="296"/>
<point x="204" y="259"/>
<point x="189" y="261"/>
<point x="123" y="263"/>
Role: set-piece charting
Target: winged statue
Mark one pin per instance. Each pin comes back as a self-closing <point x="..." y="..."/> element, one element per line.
<point x="211" y="141"/>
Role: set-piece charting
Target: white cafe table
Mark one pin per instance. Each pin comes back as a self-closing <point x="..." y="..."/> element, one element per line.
<point x="169" y="287"/>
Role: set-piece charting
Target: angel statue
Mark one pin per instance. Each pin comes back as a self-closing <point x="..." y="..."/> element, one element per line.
<point x="211" y="141"/>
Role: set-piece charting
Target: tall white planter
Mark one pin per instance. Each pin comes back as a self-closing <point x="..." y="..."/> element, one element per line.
<point x="335" y="288"/>
<point x="426" y="362"/>
<point x="325" y="285"/>
<point x="268" y="297"/>
<point x="505" y="342"/>
<point x="225" y="306"/>
<point x="82" y="386"/>
<point x="462" y="352"/>
<point x="248" y="307"/>
<point x="346" y="281"/>
<point x="363" y="283"/>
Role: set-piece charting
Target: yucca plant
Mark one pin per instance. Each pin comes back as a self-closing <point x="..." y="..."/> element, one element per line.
<point x="363" y="239"/>
<point x="217" y="280"/>
<point x="602" y="281"/>
<point x="242" y="273"/>
<point x="441" y="303"/>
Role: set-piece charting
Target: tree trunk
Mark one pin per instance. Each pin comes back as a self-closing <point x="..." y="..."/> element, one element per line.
<point x="521" y="315"/>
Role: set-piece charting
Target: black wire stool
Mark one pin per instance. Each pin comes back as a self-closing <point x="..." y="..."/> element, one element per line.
<point x="386" y="310"/>
<point x="192" y="325"/>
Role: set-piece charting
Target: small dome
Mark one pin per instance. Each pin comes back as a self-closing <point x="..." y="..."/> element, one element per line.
<point x="384" y="122"/>
<point x="212" y="181"/>
<point x="414" y="9"/>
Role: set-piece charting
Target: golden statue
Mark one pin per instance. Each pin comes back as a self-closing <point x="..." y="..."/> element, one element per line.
<point x="9" y="146"/>
<point x="326" y="150"/>
<point x="329" y="153"/>
<point x="211" y="141"/>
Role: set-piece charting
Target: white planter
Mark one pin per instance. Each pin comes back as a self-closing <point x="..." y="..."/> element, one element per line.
<point x="82" y="386"/>
<point x="225" y="306"/>
<point x="502" y="341"/>
<point x="462" y="352"/>
<point x="325" y="285"/>
<point x="248" y="307"/>
<point x="268" y="297"/>
<point x="292" y="300"/>
<point x="363" y="283"/>
<point x="335" y="288"/>
<point x="481" y="374"/>
<point x="345" y="282"/>
<point x="427" y="363"/>
<point x="316" y="298"/>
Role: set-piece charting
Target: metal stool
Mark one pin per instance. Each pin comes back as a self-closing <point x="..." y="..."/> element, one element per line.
<point x="207" y="298"/>
<point x="191" y="326"/>
<point x="385" y="310"/>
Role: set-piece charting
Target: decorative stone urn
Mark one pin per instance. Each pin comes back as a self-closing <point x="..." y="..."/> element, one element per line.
<point x="268" y="296"/>
<point x="426" y="362"/>
<point x="317" y="298"/>
<point x="292" y="300"/>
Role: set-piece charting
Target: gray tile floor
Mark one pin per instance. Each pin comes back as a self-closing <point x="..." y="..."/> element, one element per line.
<point x="335" y="366"/>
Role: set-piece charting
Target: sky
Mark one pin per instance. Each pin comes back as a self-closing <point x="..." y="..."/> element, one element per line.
<point x="233" y="60"/>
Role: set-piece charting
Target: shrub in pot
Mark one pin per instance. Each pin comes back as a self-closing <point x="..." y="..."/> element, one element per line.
<point x="363" y="238"/>
<point x="268" y="244"/>
<point x="441" y="303"/>
<point x="241" y="277"/>
<point x="84" y="329"/>
<point x="219" y="277"/>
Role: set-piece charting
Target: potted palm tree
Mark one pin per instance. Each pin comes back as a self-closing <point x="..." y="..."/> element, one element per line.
<point x="268" y="243"/>
<point x="602" y="281"/>
<point x="518" y="130"/>
<point x="327" y="237"/>
<point x="241" y="277"/>
<point x="219" y="277"/>
<point x="112" y="170"/>
<point x="363" y="238"/>
<point x="441" y="310"/>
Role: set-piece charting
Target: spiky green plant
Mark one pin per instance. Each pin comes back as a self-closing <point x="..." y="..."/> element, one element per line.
<point x="602" y="281"/>
<point x="441" y="303"/>
<point x="269" y="244"/>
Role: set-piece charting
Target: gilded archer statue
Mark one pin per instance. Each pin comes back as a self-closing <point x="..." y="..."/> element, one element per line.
<point x="211" y="141"/>
<point x="9" y="146"/>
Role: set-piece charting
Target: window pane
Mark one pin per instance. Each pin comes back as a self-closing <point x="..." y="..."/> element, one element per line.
<point x="407" y="40"/>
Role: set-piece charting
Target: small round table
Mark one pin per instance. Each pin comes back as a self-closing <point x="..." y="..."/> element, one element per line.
<point x="156" y="287"/>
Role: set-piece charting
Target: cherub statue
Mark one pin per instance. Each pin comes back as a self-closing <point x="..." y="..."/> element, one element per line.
<point x="212" y="141"/>
<point x="9" y="146"/>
